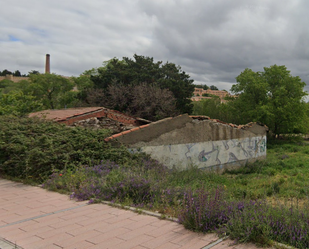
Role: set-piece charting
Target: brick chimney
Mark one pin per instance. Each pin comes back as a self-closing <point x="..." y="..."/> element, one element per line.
<point x="47" y="64"/>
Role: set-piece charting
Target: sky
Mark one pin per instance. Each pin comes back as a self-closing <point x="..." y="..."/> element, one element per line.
<point x="211" y="40"/>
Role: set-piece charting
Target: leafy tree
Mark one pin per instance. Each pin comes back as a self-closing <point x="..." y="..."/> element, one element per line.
<point x="51" y="89"/>
<point x="5" y="72"/>
<point x="212" y="87"/>
<point x="212" y="108"/>
<point x="17" y="73"/>
<point x="143" y="69"/>
<point x="206" y="95"/>
<point x="33" y="72"/>
<point x="83" y="84"/>
<point x="252" y="97"/>
<point x="273" y="97"/>
<point x="17" y="103"/>
<point x="205" y="87"/>
<point x="142" y="100"/>
<point x="7" y="86"/>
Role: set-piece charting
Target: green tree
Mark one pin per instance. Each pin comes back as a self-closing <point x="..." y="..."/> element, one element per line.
<point x="33" y="72"/>
<point x="83" y="84"/>
<point x="51" y="89"/>
<point x="17" y="103"/>
<point x="8" y="85"/>
<point x="5" y="72"/>
<point x="273" y="97"/>
<point x="212" y="108"/>
<point x="212" y="87"/>
<point x="205" y="87"/>
<point x="143" y="69"/>
<point x="17" y="73"/>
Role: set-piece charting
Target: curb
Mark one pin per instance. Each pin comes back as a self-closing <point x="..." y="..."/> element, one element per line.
<point x="5" y="244"/>
<point x="141" y="211"/>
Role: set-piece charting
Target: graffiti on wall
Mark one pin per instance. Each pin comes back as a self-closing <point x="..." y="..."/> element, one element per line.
<point x="210" y="153"/>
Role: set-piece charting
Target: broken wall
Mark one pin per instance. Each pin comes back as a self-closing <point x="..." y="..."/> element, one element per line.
<point x="183" y="142"/>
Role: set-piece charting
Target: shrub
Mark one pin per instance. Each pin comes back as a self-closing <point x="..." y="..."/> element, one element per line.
<point x="205" y="211"/>
<point x="35" y="148"/>
<point x="259" y="222"/>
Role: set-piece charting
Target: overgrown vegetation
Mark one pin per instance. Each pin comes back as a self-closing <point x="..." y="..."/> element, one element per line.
<point x="273" y="97"/>
<point x="262" y="202"/>
<point x="142" y="74"/>
<point x="34" y="148"/>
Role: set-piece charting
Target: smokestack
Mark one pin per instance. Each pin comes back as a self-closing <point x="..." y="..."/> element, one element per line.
<point x="47" y="64"/>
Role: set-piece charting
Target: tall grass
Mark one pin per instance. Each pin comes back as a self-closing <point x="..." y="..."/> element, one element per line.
<point x="260" y="202"/>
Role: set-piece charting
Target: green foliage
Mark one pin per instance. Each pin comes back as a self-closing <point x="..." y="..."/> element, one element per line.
<point x="52" y="90"/>
<point x="17" y="103"/>
<point x="144" y="70"/>
<point x="205" y="87"/>
<point x="143" y="100"/>
<point x="273" y="97"/>
<point x="212" y="87"/>
<point x="7" y="86"/>
<point x="16" y="73"/>
<point x="5" y="72"/>
<point x="83" y="84"/>
<point x="232" y="209"/>
<point x="213" y="108"/>
<point x="33" y="148"/>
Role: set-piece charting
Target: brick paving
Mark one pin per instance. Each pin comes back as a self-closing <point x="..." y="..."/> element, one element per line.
<point x="34" y="218"/>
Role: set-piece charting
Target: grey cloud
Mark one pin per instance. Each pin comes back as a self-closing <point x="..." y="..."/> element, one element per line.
<point x="213" y="41"/>
<point x="229" y="35"/>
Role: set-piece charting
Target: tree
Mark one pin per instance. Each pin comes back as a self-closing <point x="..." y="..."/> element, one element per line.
<point x="17" y="103"/>
<point x="5" y="72"/>
<point x="146" y="101"/>
<point x="83" y="84"/>
<point x="273" y="97"/>
<point x="54" y="91"/>
<point x="143" y="69"/>
<point x="17" y="73"/>
<point x="212" y="87"/>
<point x="8" y="85"/>
<point x="213" y="108"/>
<point x="205" y="87"/>
<point x="33" y="72"/>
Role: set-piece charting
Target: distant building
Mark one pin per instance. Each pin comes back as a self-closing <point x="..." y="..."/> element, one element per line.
<point x="13" y="78"/>
<point x="199" y="92"/>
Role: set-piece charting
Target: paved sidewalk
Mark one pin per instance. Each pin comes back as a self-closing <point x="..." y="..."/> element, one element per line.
<point x="32" y="218"/>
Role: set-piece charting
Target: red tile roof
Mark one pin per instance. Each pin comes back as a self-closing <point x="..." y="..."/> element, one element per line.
<point x="71" y="115"/>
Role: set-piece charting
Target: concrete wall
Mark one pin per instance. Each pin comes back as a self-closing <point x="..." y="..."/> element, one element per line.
<point x="218" y="155"/>
<point x="182" y="142"/>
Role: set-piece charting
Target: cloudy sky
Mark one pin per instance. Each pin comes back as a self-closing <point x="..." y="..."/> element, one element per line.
<point x="212" y="40"/>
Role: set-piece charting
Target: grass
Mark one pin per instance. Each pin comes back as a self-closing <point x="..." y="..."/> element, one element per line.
<point x="283" y="175"/>
<point x="261" y="202"/>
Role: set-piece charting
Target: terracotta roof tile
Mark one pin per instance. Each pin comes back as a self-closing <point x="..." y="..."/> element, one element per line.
<point x="143" y="126"/>
<point x="193" y="117"/>
<point x="69" y="115"/>
<point x="125" y="132"/>
<point x="134" y="129"/>
<point x="117" y="135"/>
<point x="108" y="138"/>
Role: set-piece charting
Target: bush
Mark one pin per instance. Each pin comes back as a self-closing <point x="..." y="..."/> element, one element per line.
<point x="205" y="211"/>
<point x="259" y="222"/>
<point x="36" y="148"/>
